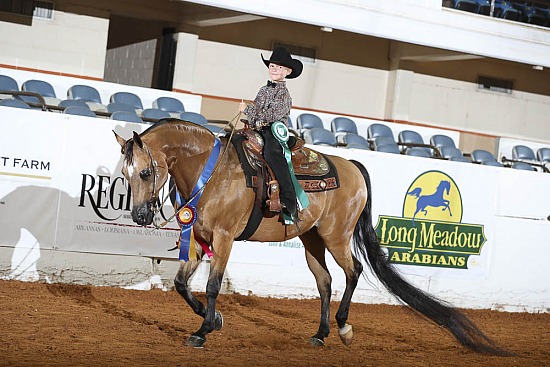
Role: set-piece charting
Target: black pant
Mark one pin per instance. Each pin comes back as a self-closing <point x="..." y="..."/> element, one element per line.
<point x="273" y="154"/>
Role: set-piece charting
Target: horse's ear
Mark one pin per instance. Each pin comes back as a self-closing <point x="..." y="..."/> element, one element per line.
<point x="137" y="140"/>
<point x="120" y="140"/>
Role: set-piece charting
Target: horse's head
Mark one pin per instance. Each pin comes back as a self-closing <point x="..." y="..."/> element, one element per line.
<point x="146" y="172"/>
<point x="445" y="185"/>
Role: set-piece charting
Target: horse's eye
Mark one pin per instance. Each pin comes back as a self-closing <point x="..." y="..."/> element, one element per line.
<point x="145" y="174"/>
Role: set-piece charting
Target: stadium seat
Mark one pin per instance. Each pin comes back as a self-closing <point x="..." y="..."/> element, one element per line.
<point x="492" y="163"/>
<point x="194" y="117"/>
<point x="119" y="106"/>
<point x="171" y="105"/>
<point x="79" y="110"/>
<point x="466" y="5"/>
<point x="375" y="130"/>
<point x="388" y="148"/>
<point x="505" y="10"/>
<point x="523" y="152"/>
<point x="72" y="102"/>
<point x="342" y="125"/>
<point x="459" y="158"/>
<point x="543" y="155"/>
<point x="87" y="94"/>
<point x="356" y="141"/>
<point x="155" y="114"/>
<point x="479" y="156"/>
<point x="523" y="166"/>
<point x="17" y="103"/>
<point x="483" y="7"/>
<point x="439" y="141"/>
<point x="410" y="139"/>
<point x="319" y="136"/>
<point x="449" y="152"/>
<point x="127" y="98"/>
<point x="126" y="116"/>
<point x="84" y="93"/>
<point x="41" y="87"/>
<point x="530" y="14"/>
<point x="7" y="83"/>
<point x="307" y="121"/>
<point x="418" y="152"/>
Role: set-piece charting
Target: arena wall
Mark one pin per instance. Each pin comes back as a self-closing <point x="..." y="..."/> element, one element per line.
<point x="65" y="218"/>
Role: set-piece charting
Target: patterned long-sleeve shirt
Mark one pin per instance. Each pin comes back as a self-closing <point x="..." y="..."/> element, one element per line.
<point x="270" y="105"/>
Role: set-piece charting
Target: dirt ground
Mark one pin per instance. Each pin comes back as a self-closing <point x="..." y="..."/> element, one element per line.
<point x="70" y="325"/>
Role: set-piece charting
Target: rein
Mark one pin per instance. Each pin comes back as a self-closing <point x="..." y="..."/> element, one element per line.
<point x="156" y="209"/>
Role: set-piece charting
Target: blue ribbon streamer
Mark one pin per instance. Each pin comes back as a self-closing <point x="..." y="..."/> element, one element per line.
<point x="185" y="237"/>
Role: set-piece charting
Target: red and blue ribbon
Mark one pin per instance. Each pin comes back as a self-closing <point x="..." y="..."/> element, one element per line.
<point x="187" y="216"/>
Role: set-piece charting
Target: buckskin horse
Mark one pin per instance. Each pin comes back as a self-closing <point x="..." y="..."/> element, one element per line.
<point x="333" y="221"/>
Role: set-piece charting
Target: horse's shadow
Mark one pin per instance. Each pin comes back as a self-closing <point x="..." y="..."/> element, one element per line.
<point x="29" y="213"/>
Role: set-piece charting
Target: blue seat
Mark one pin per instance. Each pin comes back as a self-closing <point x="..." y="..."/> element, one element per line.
<point x="388" y="148"/>
<point x="342" y="125"/>
<point x="289" y="123"/>
<point x="410" y="139"/>
<point x="377" y="130"/>
<point x="127" y="98"/>
<point x="17" y="103"/>
<point x="8" y="83"/>
<point x="530" y="14"/>
<point x="483" y="7"/>
<point x="119" y="106"/>
<point x="73" y="102"/>
<point x="417" y="152"/>
<point x="41" y="87"/>
<point x="466" y="5"/>
<point x="523" y="152"/>
<point x="492" y="163"/>
<point x="126" y="116"/>
<point x="459" y="158"/>
<point x="194" y="117"/>
<point x="449" y="152"/>
<point x="523" y="166"/>
<point x="440" y="140"/>
<point x="155" y="114"/>
<point x="505" y="10"/>
<point x="307" y="121"/>
<point x="79" y="110"/>
<point x="319" y="136"/>
<point x="480" y="156"/>
<point x="543" y="155"/>
<point x="356" y="141"/>
<point x="170" y="105"/>
<point x="84" y="93"/>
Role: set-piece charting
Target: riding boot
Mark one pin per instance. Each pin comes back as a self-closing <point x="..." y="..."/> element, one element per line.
<point x="274" y="156"/>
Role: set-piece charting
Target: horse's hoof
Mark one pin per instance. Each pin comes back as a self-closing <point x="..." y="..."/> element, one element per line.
<point x="196" y="341"/>
<point x="346" y="334"/>
<point x="316" y="342"/>
<point x="218" y="321"/>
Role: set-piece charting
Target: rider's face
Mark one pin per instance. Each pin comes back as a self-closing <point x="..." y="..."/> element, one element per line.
<point x="278" y="73"/>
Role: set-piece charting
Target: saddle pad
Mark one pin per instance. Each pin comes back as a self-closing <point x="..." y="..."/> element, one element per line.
<point x="314" y="171"/>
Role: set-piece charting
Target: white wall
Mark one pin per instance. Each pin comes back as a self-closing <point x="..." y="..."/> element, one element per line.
<point x="48" y="228"/>
<point x="69" y="43"/>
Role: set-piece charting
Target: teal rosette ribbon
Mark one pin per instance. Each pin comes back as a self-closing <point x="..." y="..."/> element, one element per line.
<point x="280" y="132"/>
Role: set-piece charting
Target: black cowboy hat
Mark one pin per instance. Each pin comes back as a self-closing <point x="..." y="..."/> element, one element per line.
<point x="280" y="56"/>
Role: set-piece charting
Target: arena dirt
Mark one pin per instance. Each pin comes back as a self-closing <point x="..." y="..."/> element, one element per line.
<point x="69" y="325"/>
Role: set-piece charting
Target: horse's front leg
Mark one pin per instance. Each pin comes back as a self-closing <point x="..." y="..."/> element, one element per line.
<point x="212" y="319"/>
<point x="447" y="202"/>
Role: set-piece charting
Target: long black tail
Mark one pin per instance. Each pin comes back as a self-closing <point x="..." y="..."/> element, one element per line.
<point x="367" y="246"/>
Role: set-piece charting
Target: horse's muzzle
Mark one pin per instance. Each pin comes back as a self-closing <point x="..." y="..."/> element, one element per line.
<point x="142" y="215"/>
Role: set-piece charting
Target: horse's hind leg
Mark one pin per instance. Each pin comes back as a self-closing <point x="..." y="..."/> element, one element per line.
<point x="315" y="256"/>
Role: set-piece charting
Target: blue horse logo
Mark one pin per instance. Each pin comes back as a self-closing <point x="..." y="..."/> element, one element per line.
<point x="433" y="200"/>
